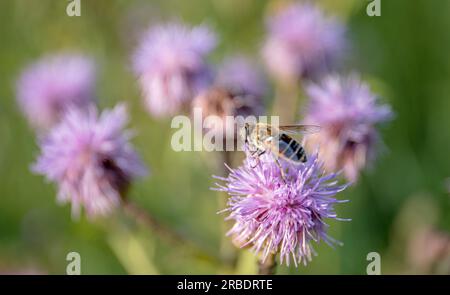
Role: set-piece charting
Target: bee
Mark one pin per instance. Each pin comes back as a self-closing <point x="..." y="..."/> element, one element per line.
<point x="261" y="137"/>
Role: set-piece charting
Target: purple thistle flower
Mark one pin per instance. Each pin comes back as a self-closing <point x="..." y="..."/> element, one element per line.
<point x="302" y="42"/>
<point x="238" y="91"/>
<point x="281" y="214"/>
<point x="171" y="66"/>
<point x="347" y="111"/>
<point x="49" y="86"/>
<point x="91" y="160"/>
<point x="239" y="75"/>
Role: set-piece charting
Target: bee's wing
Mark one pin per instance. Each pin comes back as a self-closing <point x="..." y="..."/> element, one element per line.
<point x="299" y="129"/>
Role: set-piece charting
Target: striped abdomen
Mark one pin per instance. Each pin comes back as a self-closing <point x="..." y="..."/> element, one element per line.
<point x="291" y="149"/>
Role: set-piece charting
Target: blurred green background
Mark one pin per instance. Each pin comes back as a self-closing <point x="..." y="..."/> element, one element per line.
<point x="404" y="54"/>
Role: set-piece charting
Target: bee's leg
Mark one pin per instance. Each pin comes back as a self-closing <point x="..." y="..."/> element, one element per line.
<point x="260" y="153"/>
<point x="252" y="153"/>
<point x="257" y="163"/>
<point x="281" y="169"/>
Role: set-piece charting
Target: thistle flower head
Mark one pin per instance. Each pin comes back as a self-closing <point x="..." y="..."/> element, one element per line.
<point x="171" y="67"/>
<point x="302" y="42"/>
<point x="47" y="87"/>
<point x="241" y="76"/>
<point x="221" y="108"/>
<point x="90" y="159"/>
<point x="275" y="213"/>
<point x="238" y="92"/>
<point x="347" y="111"/>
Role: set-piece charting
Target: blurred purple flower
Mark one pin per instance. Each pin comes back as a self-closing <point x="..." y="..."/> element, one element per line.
<point x="302" y="42"/>
<point x="239" y="75"/>
<point x="347" y="111"/>
<point x="49" y="86"/>
<point x="275" y="214"/>
<point x="171" y="66"/>
<point x="238" y="91"/>
<point x="428" y="250"/>
<point x="91" y="160"/>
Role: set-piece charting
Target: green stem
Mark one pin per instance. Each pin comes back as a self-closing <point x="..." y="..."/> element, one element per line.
<point x="268" y="267"/>
<point x="286" y="102"/>
<point x="168" y="234"/>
